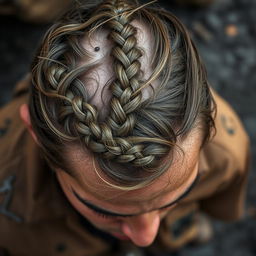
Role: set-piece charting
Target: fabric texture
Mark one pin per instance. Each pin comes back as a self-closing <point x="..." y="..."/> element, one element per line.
<point x="36" y="218"/>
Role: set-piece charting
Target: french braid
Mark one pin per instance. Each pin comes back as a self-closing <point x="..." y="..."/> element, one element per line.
<point x="136" y="132"/>
<point x="111" y="138"/>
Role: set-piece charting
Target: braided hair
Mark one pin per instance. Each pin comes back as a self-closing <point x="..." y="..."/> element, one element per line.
<point x="136" y="133"/>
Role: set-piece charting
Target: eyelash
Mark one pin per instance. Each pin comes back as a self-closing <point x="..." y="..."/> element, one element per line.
<point x="102" y="215"/>
<point x="170" y="206"/>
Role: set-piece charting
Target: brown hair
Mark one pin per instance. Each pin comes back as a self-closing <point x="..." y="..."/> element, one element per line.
<point x="130" y="141"/>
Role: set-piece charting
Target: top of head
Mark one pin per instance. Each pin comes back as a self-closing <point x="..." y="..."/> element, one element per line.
<point x="123" y="79"/>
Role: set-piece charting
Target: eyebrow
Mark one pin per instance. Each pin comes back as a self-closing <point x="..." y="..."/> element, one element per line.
<point x="114" y="214"/>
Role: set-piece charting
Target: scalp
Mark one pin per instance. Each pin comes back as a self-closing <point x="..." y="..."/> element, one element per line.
<point x="99" y="79"/>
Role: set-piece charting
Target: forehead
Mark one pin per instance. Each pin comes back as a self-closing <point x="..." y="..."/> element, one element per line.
<point x="184" y="163"/>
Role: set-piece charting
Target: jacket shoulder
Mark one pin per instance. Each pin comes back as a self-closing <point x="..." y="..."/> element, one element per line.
<point x="230" y="136"/>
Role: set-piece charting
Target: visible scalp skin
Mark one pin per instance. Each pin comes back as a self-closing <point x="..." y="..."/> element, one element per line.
<point x="146" y="110"/>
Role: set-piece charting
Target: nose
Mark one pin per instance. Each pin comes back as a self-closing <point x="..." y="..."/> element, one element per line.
<point x="142" y="229"/>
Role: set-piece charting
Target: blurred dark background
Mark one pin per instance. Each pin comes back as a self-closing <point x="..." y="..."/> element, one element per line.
<point x="225" y="34"/>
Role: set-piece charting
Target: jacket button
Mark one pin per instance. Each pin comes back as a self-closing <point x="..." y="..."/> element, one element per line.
<point x="228" y="124"/>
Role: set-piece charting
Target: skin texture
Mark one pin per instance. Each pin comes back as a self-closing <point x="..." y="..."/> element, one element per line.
<point x="142" y="228"/>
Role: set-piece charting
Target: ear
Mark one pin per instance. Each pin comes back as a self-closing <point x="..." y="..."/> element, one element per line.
<point x="25" y="117"/>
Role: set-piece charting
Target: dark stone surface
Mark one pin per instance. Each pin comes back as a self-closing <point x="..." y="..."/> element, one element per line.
<point x="231" y="65"/>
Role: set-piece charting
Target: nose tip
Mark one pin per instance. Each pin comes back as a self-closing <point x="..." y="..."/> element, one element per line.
<point x="142" y="229"/>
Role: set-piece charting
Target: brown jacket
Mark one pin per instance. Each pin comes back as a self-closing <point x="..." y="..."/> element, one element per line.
<point x="36" y="218"/>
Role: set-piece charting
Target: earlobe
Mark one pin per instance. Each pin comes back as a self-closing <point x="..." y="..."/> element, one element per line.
<point x="25" y="117"/>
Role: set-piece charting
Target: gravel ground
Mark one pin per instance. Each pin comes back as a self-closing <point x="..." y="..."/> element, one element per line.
<point x="225" y="34"/>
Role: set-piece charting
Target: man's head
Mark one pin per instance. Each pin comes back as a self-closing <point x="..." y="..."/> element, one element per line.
<point x="120" y="105"/>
